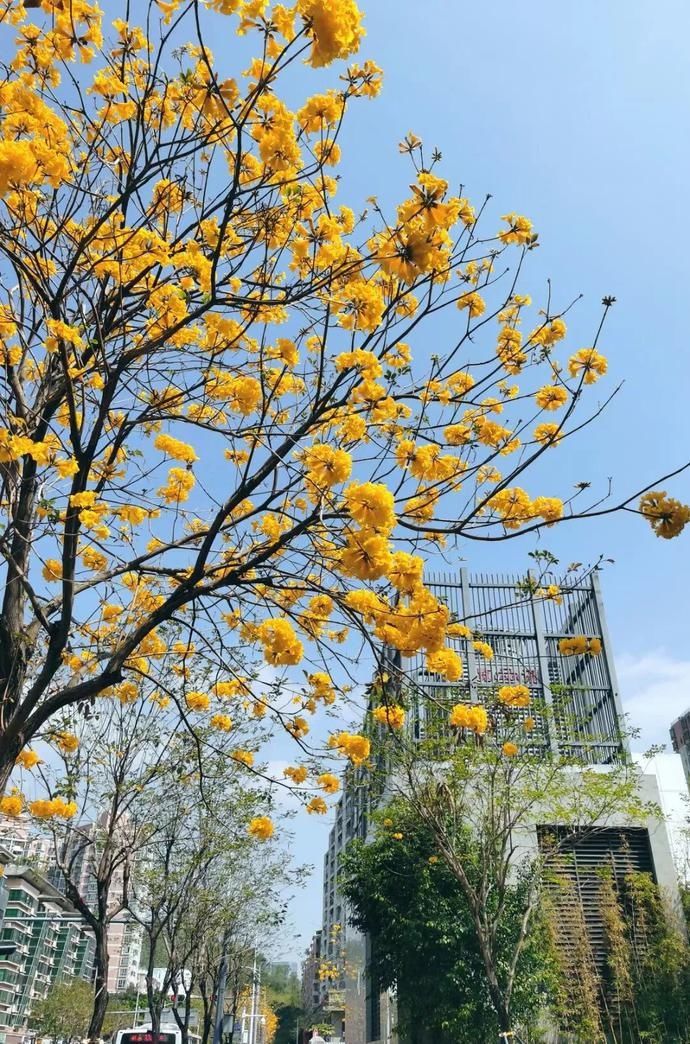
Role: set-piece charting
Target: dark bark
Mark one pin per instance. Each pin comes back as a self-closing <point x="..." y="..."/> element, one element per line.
<point x="183" y="1020"/>
<point x="207" y="1005"/>
<point x="100" y="998"/>
<point x="98" y="920"/>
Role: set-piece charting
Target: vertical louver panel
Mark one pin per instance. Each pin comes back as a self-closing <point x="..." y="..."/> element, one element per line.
<point x="576" y="865"/>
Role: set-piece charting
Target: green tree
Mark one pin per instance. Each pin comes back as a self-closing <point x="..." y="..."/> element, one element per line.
<point x="65" y="1011"/>
<point x="423" y="939"/>
<point x="284" y="996"/>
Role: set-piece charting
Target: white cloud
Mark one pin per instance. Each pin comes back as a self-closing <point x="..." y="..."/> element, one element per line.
<point x="655" y="690"/>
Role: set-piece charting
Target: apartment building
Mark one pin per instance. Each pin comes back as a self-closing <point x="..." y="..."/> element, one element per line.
<point x="125" y="936"/>
<point x="311" y="982"/>
<point x="27" y="847"/>
<point x="680" y="741"/>
<point x="50" y="943"/>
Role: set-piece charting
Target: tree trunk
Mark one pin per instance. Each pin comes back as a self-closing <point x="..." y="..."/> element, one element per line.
<point x="155" y="1000"/>
<point x="499" y="996"/>
<point x="7" y="760"/>
<point x="183" y="1022"/>
<point x="100" y="998"/>
<point x="207" y="1003"/>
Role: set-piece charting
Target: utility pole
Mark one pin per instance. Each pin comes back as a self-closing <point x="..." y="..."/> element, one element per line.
<point x="253" y="1015"/>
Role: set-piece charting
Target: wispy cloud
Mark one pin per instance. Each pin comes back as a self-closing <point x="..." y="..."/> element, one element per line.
<point x="655" y="689"/>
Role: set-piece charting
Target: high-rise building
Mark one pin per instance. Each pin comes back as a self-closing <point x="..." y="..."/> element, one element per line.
<point x="125" y="935"/>
<point x="680" y="741"/>
<point x="24" y="844"/>
<point x="51" y="944"/>
<point x="311" y="981"/>
<point x="582" y="719"/>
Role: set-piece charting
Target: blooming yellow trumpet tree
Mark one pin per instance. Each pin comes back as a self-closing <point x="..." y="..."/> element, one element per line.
<point x="211" y="416"/>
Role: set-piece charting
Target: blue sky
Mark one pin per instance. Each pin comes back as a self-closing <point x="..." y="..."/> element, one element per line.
<point x="577" y="115"/>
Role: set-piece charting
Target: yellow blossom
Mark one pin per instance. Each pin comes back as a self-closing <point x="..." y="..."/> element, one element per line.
<point x="28" y="758"/>
<point x="174" y="448"/>
<point x="66" y="741"/>
<point x="296" y="773"/>
<point x="390" y="715"/>
<point x="244" y="757"/>
<point x="514" y="695"/>
<point x="588" y="364"/>
<point x="328" y="782"/>
<point x="469" y="716"/>
<point x="11" y="804"/>
<point x="445" y="662"/>
<point x="261" y="828"/>
<point x="666" y="516"/>
<point x="352" y="745"/>
<point x="551" y="397"/>
<point x="280" y="643"/>
<point x="198" y="701"/>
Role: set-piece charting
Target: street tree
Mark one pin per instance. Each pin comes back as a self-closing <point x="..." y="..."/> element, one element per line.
<point x="424" y="943"/>
<point x="101" y="824"/>
<point x="217" y="408"/>
<point x="206" y="890"/>
<point x="65" y="1012"/>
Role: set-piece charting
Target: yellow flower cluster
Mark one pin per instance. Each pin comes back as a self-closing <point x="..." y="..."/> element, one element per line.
<point x="243" y="757"/>
<point x="484" y="649"/>
<point x="355" y="747"/>
<point x="335" y="27"/>
<point x="520" y="229"/>
<point x="198" y="701"/>
<point x="515" y="508"/>
<point x="11" y="804"/>
<point x="221" y="722"/>
<point x="328" y="782"/>
<point x="261" y="828"/>
<point x="391" y="715"/>
<point x="588" y="365"/>
<point x="469" y="716"/>
<point x="445" y="662"/>
<point x="666" y="516"/>
<point x="28" y="758"/>
<point x="551" y="397"/>
<point x="296" y="773"/>
<point x="176" y="449"/>
<point x="66" y="741"/>
<point x="325" y="467"/>
<point x="53" y="808"/>
<point x="280" y="643"/>
<point x="579" y="645"/>
<point x="514" y="696"/>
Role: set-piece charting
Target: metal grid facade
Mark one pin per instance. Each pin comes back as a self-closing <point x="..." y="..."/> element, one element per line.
<point x="574" y="698"/>
<point x="574" y="881"/>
